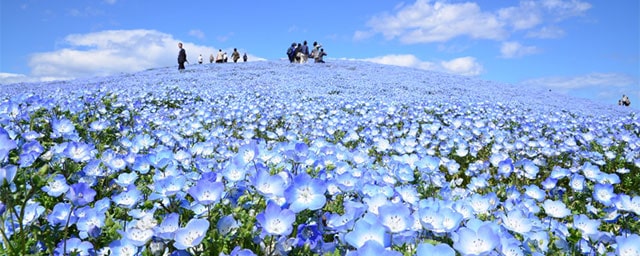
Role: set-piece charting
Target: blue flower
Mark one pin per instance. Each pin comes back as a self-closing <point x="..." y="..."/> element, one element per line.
<point x="30" y="152"/>
<point x="629" y="245"/>
<point x="365" y="231"/>
<point x="275" y="220"/>
<point x="90" y="223"/>
<point x="481" y="241"/>
<point x="191" y="235"/>
<point x="6" y="144"/>
<point x="74" y="246"/>
<point x="7" y="173"/>
<point x="61" y="215"/>
<point x="79" y="152"/>
<point x="396" y="217"/>
<point x="305" y="193"/>
<point x="604" y="194"/>
<point x="556" y="209"/>
<point x="310" y="235"/>
<point x="56" y="186"/>
<point x="62" y="127"/>
<point x="227" y="225"/>
<point x="436" y="250"/>
<point x="122" y="247"/>
<point x="206" y="192"/>
<point x="270" y="186"/>
<point x="80" y="194"/>
<point x="517" y="221"/>
<point x="169" y="225"/>
<point x="128" y="198"/>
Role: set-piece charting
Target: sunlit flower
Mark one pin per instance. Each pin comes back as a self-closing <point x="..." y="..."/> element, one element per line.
<point x="191" y="235"/>
<point x="306" y="193"/>
<point x="365" y="231"/>
<point x="275" y="220"/>
<point x="556" y="209"/>
<point x="476" y="242"/>
<point x="74" y="246"/>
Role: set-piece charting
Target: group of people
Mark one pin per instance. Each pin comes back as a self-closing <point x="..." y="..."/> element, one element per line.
<point x="221" y="57"/>
<point x="624" y="101"/>
<point x="299" y="53"/>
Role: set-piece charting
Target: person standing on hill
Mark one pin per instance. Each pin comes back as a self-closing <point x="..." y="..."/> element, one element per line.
<point x="200" y="59"/>
<point x="291" y="52"/>
<point x="235" y="55"/>
<point x="182" y="57"/>
<point x="624" y="101"/>
<point x="320" y="55"/>
<point x="244" y="57"/>
<point x="220" y="56"/>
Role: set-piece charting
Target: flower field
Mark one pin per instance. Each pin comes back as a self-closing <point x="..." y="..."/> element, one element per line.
<point x="347" y="158"/>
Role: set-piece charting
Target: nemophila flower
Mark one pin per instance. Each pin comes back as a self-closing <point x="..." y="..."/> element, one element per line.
<point x="62" y="215"/>
<point x="79" y="152"/>
<point x="408" y="193"/>
<point x="169" y="225"/>
<point x="275" y="220"/>
<point x="436" y="250"/>
<point x="32" y="212"/>
<point x="167" y="186"/>
<point x="8" y="173"/>
<point x="113" y="161"/>
<point x="396" y="217"/>
<point x="482" y="204"/>
<point x="246" y="154"/>
<point x="206" y="192"/>
<point x="30" y="152"/>
<point x="604" y="194"/>
<point x="628" y="245"/>
<point x="517" y="221"/>
<point x="129" y="198"/>
<point x="122" y="247"/>
<point x="98" y="125"/>
<point x="577" y="182"/>
<point x="6" y="144"/>
<point x="591" y="172"/>
<point x="227" y="225"/>
<point x="309" y="235"/>
<point x="555" y="209"/>
<point x="530" y="169"/>
<point x="126" y="178"/>
<point x="90" y="223"/>
<point x="373" y="248"/>
<point x="80" y="194"/>
<point x="234" y="172"/>
<point x="270" y="186"/>
<point x="535" y="192"/>
<point x="587" y="227"/>
<point x="62" y="127"/>
<point x="239" y="251"/>
<point x="191" y="235"/>
<point x="305" y="193"/>
<point x="74" y="246"/>
<point x="137" y="236"/>
<point x="628" y="203"/>
<point x="364" y="231"/>
<point x="481" y="241"/>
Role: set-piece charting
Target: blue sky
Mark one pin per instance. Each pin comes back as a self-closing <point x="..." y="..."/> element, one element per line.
<point x="588" y="49"/>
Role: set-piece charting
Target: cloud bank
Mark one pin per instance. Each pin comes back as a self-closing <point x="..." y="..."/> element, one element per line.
<point x="109" y="52"/>
<point x="467" y="66"/>
<point x="428" y="21"/>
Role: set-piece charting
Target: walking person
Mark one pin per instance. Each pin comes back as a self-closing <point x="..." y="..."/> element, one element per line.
<point x="244" y="57"/>
<point x="291" y="52"/>
<point x="235" y="55"/>
<point x="320" y="55"/>
<point x="220" y="56"/>
<point x="200" y="59"/>
<point x="182" y="57"/>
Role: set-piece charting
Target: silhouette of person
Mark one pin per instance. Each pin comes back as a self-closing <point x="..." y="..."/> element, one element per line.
<point x="182" y="57"/>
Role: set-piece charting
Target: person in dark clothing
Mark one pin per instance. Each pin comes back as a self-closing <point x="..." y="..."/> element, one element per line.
<point x="182" y="57"/>
<point x="320" y="55"/>
<point x="305" y="51"/>
<point x="291" y="52"/>
<point x="244" y="57"/>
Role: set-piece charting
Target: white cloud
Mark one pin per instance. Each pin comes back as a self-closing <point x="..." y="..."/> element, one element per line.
<point x="603" y="80"/>
<point x="112" y="51"/>
<point x="467" y="66"/>
<point x="424" y="22"/>
<point x="546" y="32"/>
<point x="197" y="33"/>
<point x="427" y="21"/>
<point x="462" y="66"/>
<point x="514" y="50"/>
